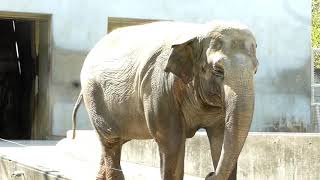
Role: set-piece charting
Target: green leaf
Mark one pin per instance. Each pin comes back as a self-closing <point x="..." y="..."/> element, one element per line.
<point x="315" y="36"/>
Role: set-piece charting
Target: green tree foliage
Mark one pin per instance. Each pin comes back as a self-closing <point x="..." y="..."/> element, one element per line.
<point x="316" y="23"/>
<point x="316" y="30"/>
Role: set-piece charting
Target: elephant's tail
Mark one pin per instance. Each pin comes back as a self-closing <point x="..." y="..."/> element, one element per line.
<point x="74" y="115"/>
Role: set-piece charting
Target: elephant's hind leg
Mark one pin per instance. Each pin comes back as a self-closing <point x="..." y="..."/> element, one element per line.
<point x="110" y="168"/>
<point x="102" y="170"/>
<point x="107" y="131"/>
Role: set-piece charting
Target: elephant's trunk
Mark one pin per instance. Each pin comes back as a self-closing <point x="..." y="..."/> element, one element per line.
<point x="239" y="99"/>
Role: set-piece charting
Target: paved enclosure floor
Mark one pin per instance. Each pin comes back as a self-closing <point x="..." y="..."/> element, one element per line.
<point x="59" y="161"/>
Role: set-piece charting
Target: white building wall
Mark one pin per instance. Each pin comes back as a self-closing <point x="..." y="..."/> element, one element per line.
<point x="282" y="30"/>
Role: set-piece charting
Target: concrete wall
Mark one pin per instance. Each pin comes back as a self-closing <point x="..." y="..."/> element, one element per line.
<point x="282" y="30"/>
<point x="265" y="156"/>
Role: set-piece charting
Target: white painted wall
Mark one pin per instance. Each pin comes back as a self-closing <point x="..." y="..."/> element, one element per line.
<point x="282" y="30"/>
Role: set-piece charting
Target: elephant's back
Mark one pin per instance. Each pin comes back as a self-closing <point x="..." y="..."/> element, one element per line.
<point x="134" y="45"/>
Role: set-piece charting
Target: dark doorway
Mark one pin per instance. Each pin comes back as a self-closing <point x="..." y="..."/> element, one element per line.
<point x="17" y="74"/>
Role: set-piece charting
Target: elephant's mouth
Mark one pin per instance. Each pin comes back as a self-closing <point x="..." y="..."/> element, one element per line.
<point x="212" y="100"/>
<point x="210" y="96"/>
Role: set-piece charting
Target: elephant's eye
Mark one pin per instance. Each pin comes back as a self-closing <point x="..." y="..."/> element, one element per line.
<point x="217" y="44"/>
<point x="218" y="71"/>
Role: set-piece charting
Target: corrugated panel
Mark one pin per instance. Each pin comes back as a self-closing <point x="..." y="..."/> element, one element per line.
<point x="315" y="91"/>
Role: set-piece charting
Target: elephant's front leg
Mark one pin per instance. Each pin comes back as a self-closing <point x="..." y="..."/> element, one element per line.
<point x="172" y="157"/>
<point x="216" y="135"/>
<point x="167" y="127"/>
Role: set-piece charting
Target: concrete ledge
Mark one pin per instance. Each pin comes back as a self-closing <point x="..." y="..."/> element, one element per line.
<point x="44" y="160"/>
<point x="265" y="156"/>
<point x="32" y="160"/>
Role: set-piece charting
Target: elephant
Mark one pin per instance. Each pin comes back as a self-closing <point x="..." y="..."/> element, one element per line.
<point x="165" y="81"/>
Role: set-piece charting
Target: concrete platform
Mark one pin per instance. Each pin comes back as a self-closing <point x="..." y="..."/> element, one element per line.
<point x="265" y="156"/>
<point x="30" y="160"/>
<point x="51" y="160"/>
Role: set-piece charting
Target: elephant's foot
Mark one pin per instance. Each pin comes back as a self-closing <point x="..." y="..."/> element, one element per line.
<point x="110" y="175"/>
<point x="210" y="176"/>
<point x="114" y="174"/>
<point x="100" y="177"/>
<point x="213" y="176"/>
<point x="102" y="170"/>
<point x="106" y="173"/>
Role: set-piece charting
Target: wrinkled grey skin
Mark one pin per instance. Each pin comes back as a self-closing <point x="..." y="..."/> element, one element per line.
<point x="165" y="81"/>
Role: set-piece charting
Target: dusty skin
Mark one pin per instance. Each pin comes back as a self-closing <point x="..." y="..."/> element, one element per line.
<point x="166" y="80"/>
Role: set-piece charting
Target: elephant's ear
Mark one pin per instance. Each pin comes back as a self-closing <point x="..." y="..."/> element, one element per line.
<point x="181" y="60"/>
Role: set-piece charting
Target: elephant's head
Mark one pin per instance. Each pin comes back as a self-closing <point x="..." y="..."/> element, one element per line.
<point x="221" y="64"/>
